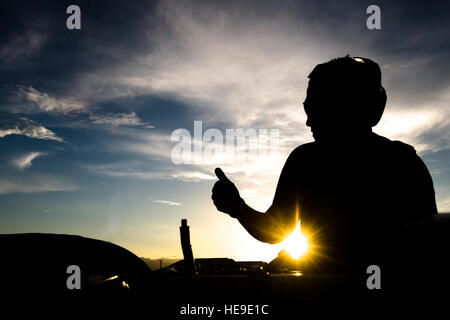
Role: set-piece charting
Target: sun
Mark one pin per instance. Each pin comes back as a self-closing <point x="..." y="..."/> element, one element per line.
<point x="296" y="244"/>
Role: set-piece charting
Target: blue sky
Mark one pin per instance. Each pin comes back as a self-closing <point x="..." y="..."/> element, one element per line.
<point x="86" y="116"/>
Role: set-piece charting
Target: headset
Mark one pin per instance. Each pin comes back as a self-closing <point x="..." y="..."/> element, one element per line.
<point x="379" y="96"/>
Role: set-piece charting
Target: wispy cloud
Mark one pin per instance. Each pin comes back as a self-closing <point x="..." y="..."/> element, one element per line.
<point x="444" y="205"/>
<point x="25" y="161"/>
<point x="142" y="170"/>
<point x="22" y="46"/>
<point x="47" y="103"/>
<point x="167" y="202"/>
<point x="29" y="128"/>
<point x="193" y="176"/>
<point x="36" y="183"/>
<point x="119" y="119"/>
<point x="44" y="102"/>
<point x="225" y="63"/>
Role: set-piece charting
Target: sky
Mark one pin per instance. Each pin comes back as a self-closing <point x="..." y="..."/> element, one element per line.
<point x="87" y="116"/>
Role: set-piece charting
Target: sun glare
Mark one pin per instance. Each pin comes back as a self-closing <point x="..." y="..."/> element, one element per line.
<point x="296" y="244"/>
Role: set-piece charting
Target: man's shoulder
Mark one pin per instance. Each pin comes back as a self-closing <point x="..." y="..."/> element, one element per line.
<point x="303" y="152"/>
<point x="382" y="143"/>
<point x="394" y="146"/>
<point x="304" y="148"/>
<point x="379" y="144"/>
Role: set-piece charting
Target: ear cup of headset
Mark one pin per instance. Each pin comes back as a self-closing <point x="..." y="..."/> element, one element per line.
<point x="378" y="106"/>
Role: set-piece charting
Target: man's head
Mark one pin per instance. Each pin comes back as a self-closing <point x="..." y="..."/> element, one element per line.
<point x="345" y="98"/>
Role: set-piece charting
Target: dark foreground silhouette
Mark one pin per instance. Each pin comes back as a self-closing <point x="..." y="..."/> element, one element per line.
<point x="34" y="264"/>
<point x="33" y="273"/>
<point x="353" y="190"/>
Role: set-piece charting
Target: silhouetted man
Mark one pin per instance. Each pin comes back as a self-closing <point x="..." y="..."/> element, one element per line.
<point x="352" y="189"/>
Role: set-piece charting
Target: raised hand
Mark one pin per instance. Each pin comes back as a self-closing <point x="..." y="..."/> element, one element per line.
<point x="225" y="195"/>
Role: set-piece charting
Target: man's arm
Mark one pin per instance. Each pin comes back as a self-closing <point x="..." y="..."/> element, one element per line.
<point x="271" y="226"/>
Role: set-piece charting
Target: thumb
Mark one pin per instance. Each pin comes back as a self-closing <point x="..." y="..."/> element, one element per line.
<point x="222" y="177"/>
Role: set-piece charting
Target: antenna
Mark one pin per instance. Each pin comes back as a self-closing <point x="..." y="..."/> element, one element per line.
<point x="189" y="266"/>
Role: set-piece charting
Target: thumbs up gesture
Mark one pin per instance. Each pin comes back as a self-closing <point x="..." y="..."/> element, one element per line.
<point x="225" y="195"/>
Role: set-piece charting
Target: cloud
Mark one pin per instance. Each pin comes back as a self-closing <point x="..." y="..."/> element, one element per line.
<point x="193" y="176"/>
<point x="119" y="119"/>
<point x="251" y="70"/>
<point x="246" y="70"/>
<point x="36" y="183"/>
<point x="423" y="124"/>
<point x="167" y="202"/>
<point x="143" y="170"/>
<point x="444" y="205"/>
<point x="43" y="102"/>
<point x="409" y="125"/>
<point x="130" y="169"/>
<point x="25" y="160"/>
<point x="46" y="103"/>
<point x="249" y="66"/>
<point x="29" y="128"/>
<point x="22" y="47"/>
